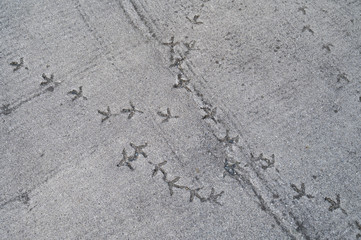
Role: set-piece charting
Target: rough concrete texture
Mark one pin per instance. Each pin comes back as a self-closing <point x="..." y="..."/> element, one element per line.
<point x="248" y="113"/>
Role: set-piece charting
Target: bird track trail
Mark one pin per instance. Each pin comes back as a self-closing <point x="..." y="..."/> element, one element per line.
<point x="266" y="186"/>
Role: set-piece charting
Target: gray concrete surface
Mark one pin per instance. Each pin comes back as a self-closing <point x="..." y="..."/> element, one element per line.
<point x="267" y="139"/>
